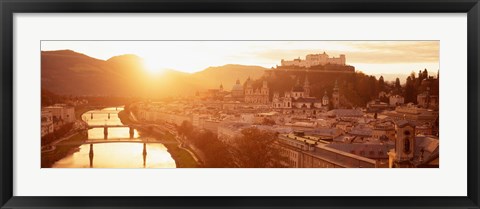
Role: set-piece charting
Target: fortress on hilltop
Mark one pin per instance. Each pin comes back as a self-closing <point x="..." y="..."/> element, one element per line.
<point x="315" y="63"/>
<point x="315" y="60"/>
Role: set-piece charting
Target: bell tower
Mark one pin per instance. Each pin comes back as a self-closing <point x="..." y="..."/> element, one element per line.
<point x="325" y="99"/>
<point x="404" y="141"/>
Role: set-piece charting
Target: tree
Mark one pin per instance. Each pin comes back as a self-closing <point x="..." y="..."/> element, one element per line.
<point x="268" y="121"/>
<point x="185" y="129"/>
<point x="397" y="87"/>
<point x="410" y="90"/>
<point x="217" y="153"/>
<point x="258" y="149"/>
<point x="425" y="74"/>
<point x="381" y="84"/>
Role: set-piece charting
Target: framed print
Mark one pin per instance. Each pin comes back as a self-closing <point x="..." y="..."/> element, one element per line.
<point x="264" y="104"/>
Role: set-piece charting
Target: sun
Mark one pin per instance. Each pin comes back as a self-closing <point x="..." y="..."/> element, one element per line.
<point x="153" y="65"/>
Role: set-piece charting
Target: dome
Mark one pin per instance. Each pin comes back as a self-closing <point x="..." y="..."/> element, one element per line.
<point x="237" y="87"/>
<point x="325" y="97"/>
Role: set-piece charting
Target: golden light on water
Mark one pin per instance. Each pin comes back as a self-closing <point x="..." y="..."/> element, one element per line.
<point x="115" y="154"/>
<point x="119" y="155"/>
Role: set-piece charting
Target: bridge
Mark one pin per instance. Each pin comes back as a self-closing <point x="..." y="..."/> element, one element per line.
<point x="105" y="129"/>
<point x="103" y="112"/>
<point x="91" y="152"/>
<point x="108" y="126"/>
<point x="92" y="142"/>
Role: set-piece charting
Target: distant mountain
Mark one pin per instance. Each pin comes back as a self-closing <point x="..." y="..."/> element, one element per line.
<point x="228" y="74"/>
<point x="66" y="72"/>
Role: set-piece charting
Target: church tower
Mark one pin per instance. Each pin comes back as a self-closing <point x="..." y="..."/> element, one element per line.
<point x="248" y="87"/>
<point x="336" y="96"/>
<point x="325" y="99"/>
<point x="264" y="92"/>
<point x="404" y="141"/>
<point x="264" y="88"/>
<point x="298" y="91"/>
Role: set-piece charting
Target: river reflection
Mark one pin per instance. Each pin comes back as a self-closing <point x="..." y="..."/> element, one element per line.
<point x="119" y="155"/>
<point x="115" y="154"/>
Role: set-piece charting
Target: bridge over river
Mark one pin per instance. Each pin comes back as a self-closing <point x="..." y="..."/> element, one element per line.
<point x="114" y="144"/>
<point x="91" y="143"/>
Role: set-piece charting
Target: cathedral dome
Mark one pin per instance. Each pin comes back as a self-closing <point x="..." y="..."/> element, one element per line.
<point x="237" y="86"/>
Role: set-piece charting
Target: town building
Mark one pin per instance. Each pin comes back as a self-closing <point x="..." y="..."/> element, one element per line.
<point x="298" y="98"/>
<point x="304" y="151"/>
<point x="237" y="92"/>
<point x="426" y="100"/>
<point x="396" y="100"/>
<point x="61" y="112"/>
<point x="412" y="113"/>
<point x="377" y="106"/>
<point x="345" y="113"/>
<point x="413" y="151"/>
<point x="384" y="129"/>
<point x="47" y="123"/>
<point x="256" y="96"/>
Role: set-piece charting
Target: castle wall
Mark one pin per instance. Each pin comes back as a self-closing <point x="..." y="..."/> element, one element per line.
<point x="314" y="60"/>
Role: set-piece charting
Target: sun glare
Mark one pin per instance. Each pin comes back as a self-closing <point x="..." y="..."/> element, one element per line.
<point x="152" y="66"/>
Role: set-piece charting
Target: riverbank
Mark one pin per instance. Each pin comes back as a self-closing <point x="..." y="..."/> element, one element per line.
<point x="62" y="149"/>
<point x="79" y="111"/>
<point x="183" y="158"/>
<point x="57" y="151"/>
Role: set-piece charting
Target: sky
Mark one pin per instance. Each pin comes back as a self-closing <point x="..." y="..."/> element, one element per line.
<point x="370" y="57"/>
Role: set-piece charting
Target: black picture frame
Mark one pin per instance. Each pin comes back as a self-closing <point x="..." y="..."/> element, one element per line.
<point x="10" y="7"/>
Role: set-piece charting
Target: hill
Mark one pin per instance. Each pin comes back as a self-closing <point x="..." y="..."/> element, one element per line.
<point x="356" y="89"/>
<point x="228" y="74"/>
<point x="66" y="72"/>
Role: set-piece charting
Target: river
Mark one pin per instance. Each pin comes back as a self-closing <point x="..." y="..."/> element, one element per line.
<point x="115" y="154"/>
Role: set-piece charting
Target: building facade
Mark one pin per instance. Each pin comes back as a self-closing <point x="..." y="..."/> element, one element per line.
<point x="298" y="98"/>
<point x="61" y="112"/>
<point x="256" y="96"/>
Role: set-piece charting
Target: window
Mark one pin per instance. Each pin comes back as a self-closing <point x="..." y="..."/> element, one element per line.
<point x="406" y="146"/>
